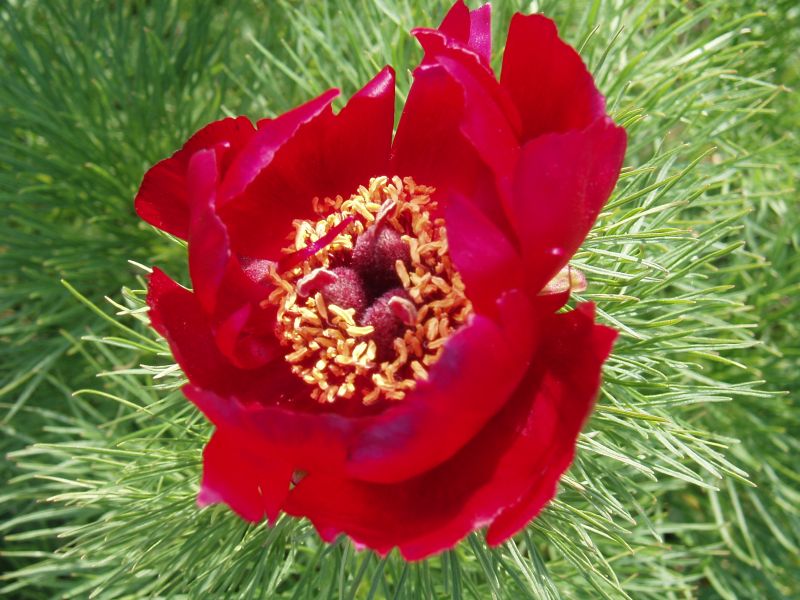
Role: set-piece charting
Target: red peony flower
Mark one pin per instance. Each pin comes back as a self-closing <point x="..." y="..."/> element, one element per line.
<point x="367" y="329"/>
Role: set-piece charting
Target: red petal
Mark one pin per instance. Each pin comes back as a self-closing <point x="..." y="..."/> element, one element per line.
<point x="162" y="199"/>
<point x="470" y="71"/>
<point x="561" y="183"/>
<point x="547" y="80"/>
<point x="473" y="29"/>
<point x="358" y="143"/>
<point x="209" y="250"/>
<point x="482" y="254"/>
<point x="429" y="146"/>
<point x="459" y="128"/>
<point x="250" y="485"/>
<point x="328" y="155"/>
<point x="270" y="138"/>
<point x="220" y="283"/>
<point x="177" y="315"/>
<point x="481" y="365"/>
<point x="302" y="440"/>
<point x="527" y="444"/>
<point x="575" y="355"/>
<point x="484" y="120"/>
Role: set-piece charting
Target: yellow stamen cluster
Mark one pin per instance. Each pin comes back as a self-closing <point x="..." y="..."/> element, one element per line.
<point x="327" y="348"/>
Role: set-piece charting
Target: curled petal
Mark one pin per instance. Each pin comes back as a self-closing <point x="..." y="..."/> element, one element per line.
<point x="575" y="353"/>
<point x="321" y="155"/>
<point x="515" y="460"/>
<point x="561" y="183"/>
<point x="432" y="147"/>
<point x="471" y="28"/>
<point x="162" y="199"/>
<point x="459" y="130"/>
<point x="252" y="486"/>
<point x="272" y="135"/>
<point x="221" y="285"/>
<point x="484" y="257"/>
<point x="441" y="49"/>
<point x="178" y="316"/>
<point x="454" y="98"/>
<point x="546" y="78"/>
<point x="485" y="120"/>
<point x="481" y="365"/>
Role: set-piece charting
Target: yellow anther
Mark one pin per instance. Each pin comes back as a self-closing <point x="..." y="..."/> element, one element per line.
<point x="359" y="331"/>
<point x="346" y="315"/>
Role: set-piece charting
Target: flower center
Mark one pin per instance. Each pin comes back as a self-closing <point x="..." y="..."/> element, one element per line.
<point x="367" y="295"/>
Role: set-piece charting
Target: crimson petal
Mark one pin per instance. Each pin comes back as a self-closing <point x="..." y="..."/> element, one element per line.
<point x="428" y="145"/>
<point x="270" y="138"/>
<point x="488" y="116"/>
<point x="500" y="466"/>
<point x="178" y="316"/>
<point x="561" y="183"/>
<point x="483" y="255"/>
<point x="359" y="141"/>
<point x="459" y="127"/>
<point x="324" y="154"/>
<point x="547" y="79"/>
<point x="479" y="369"/>
<point x="473" y="29"/>
<point x="303" y="440"/>
<point x="162" y="199"/>
<point x="575" y="354"/>
<point x="480" y="366"/>
<point x="220" y="282"/>
<point x="251" y="486"/>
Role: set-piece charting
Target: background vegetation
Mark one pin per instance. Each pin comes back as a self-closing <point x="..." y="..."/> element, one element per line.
<point x="686" y="483"/>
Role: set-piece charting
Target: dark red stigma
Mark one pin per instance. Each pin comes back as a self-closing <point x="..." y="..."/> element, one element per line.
<point x="387" y="323"/>
<point x="374" y="257"/>
<point x="368" y="284"/>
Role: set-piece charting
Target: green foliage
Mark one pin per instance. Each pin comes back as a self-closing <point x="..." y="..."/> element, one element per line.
<point x="684" y="484"/>
<point x="90" y="96"/>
